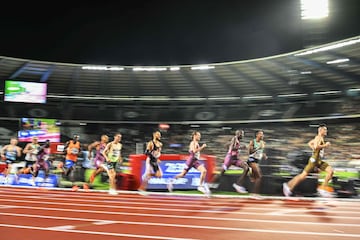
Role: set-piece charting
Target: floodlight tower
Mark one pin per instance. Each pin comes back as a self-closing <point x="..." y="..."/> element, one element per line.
<point x="314" y="16"/>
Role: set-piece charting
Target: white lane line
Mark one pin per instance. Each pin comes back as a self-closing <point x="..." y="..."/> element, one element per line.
<point x="95" y="233"/>
<point x="59" y="228"/>
<point x="100" y="222"/>
<point x="161" y="237"/>
<point x="101" y="194"/>
<point x="170" y="216"/>
<point x="7" y="206"/>
<point x="285" y="211"/>
<point x="170" y="203"/>
<point x="240" y="212"/>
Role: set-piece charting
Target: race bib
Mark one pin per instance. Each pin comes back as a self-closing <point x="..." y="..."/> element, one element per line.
<point x="74" y="151"/>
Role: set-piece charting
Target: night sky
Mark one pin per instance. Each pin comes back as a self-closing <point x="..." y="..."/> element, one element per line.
<point x="163" y="32"/>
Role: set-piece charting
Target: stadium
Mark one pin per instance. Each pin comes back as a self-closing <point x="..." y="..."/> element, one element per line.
<point x="286" y="95"/>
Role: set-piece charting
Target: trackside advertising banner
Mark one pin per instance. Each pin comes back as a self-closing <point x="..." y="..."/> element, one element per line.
<point x="171" y="165"/>
<point x="27" y="180"/>
<point x="170" y="169"/>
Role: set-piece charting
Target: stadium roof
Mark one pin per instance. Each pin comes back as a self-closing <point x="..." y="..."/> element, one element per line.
<point x="329" y="71"/>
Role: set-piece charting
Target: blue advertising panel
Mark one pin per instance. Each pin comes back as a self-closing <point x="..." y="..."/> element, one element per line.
<point x="26" y="180"/>
<point x="170" y="169"/>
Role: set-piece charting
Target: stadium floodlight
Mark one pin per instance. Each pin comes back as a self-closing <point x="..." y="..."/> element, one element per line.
<point x="202" y="67"/>
<point x="341" y="60"/>
<point x="174" y="68"/>
<point x="149" y="69"/>
<point x="102" y="68"/>
<point x="314" y="9"/>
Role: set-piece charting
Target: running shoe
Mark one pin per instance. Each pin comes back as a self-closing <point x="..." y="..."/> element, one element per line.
<point x="32" y="182"/>
<point x="201" y="189"/>
<point x="256" y="196"/>
<point x="170" y="186"/>
<point x="286" y="190"/>
<point x="113" y="192"/>
<point x="207" y="190"/>
<point x="239" y="189"/>
<point x="324" y="192"/>
<point x="142" y="192"/>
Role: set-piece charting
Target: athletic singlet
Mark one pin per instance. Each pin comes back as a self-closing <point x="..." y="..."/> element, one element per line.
<point x="155" y="152"/>
<point x="31" y="156"/>
<point x="236" y="146"/>
<point x="11" y="155"/>
<point x="44" y="155"/>
<point x="319" y="153"/>
<point x="258" y="154"/>
<point x="73" y="150"/>
<point x="99" y="151"/>
<point x="196" y="154"/>
<point x="114" y="152"/>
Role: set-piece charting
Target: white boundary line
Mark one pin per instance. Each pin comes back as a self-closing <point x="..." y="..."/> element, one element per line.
<point x="93" y="232"/>
<point x="200" y="195"/>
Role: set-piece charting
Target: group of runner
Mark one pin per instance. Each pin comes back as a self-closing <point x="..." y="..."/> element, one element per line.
<point x="108" y="154"/>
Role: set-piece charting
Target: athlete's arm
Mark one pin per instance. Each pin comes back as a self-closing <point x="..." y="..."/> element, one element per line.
<point x="251" y="147"/>
<point x="3" y="150"/>
<point x="91" y="147"/>
<point x="18" y="150"/>
<point x="106" y="151"/>
<point x="27" y="148"/>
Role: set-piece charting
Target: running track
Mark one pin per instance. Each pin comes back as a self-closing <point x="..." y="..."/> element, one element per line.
<point x="38" y="214"/>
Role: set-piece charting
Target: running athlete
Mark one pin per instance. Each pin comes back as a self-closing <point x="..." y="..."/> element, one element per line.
<point x="112" y="154"/>
<point x="193" y="162"/>
<point x="153" y="152"/>
<point x="31" y="150"/>
<point x="9" y="153"/>
<point x="72" y="149"/>
<point x="232" y="158"/>
<point x="42" y="162"/>
<point x="318" y="145"/>
<point x="256" y="154"/>
<point x="99" y="158"/>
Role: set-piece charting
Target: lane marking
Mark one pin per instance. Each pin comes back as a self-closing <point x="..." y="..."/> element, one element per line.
<point x="100" y="222"/>
<point x="95" y="233"/>
<point x="65" y="227"/>
<point x="209" y="209"/>
<point x="170" y="202"/>
<point x="181" y="209"/>
<point x="123" y="193"/>
<point x="170" y="216"/>
<point x="162" y="237"/>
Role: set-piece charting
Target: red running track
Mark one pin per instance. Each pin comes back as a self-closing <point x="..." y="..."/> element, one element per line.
<point x="49" y="214"/>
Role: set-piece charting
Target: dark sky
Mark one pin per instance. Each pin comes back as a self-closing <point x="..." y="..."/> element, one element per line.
<point x="163" y="32"/>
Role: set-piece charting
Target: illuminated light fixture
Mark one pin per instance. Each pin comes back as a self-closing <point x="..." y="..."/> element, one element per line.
<point x="354" y="90"/>
<point x="257" y="97"/>
<point x="103" y="68"/>
<point x="293" y="95"/>
<point x="202" y="67"/>
<point x="306" y="72"/>
<point x="338" y="61"/>
<point x="149" y="69"/>
<point x="330" y="47"/>
<point x="327" y="92"/>
<point x="314" y="9"/>
<point x="174" y="68"/>
<point x="194" y="126"/>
